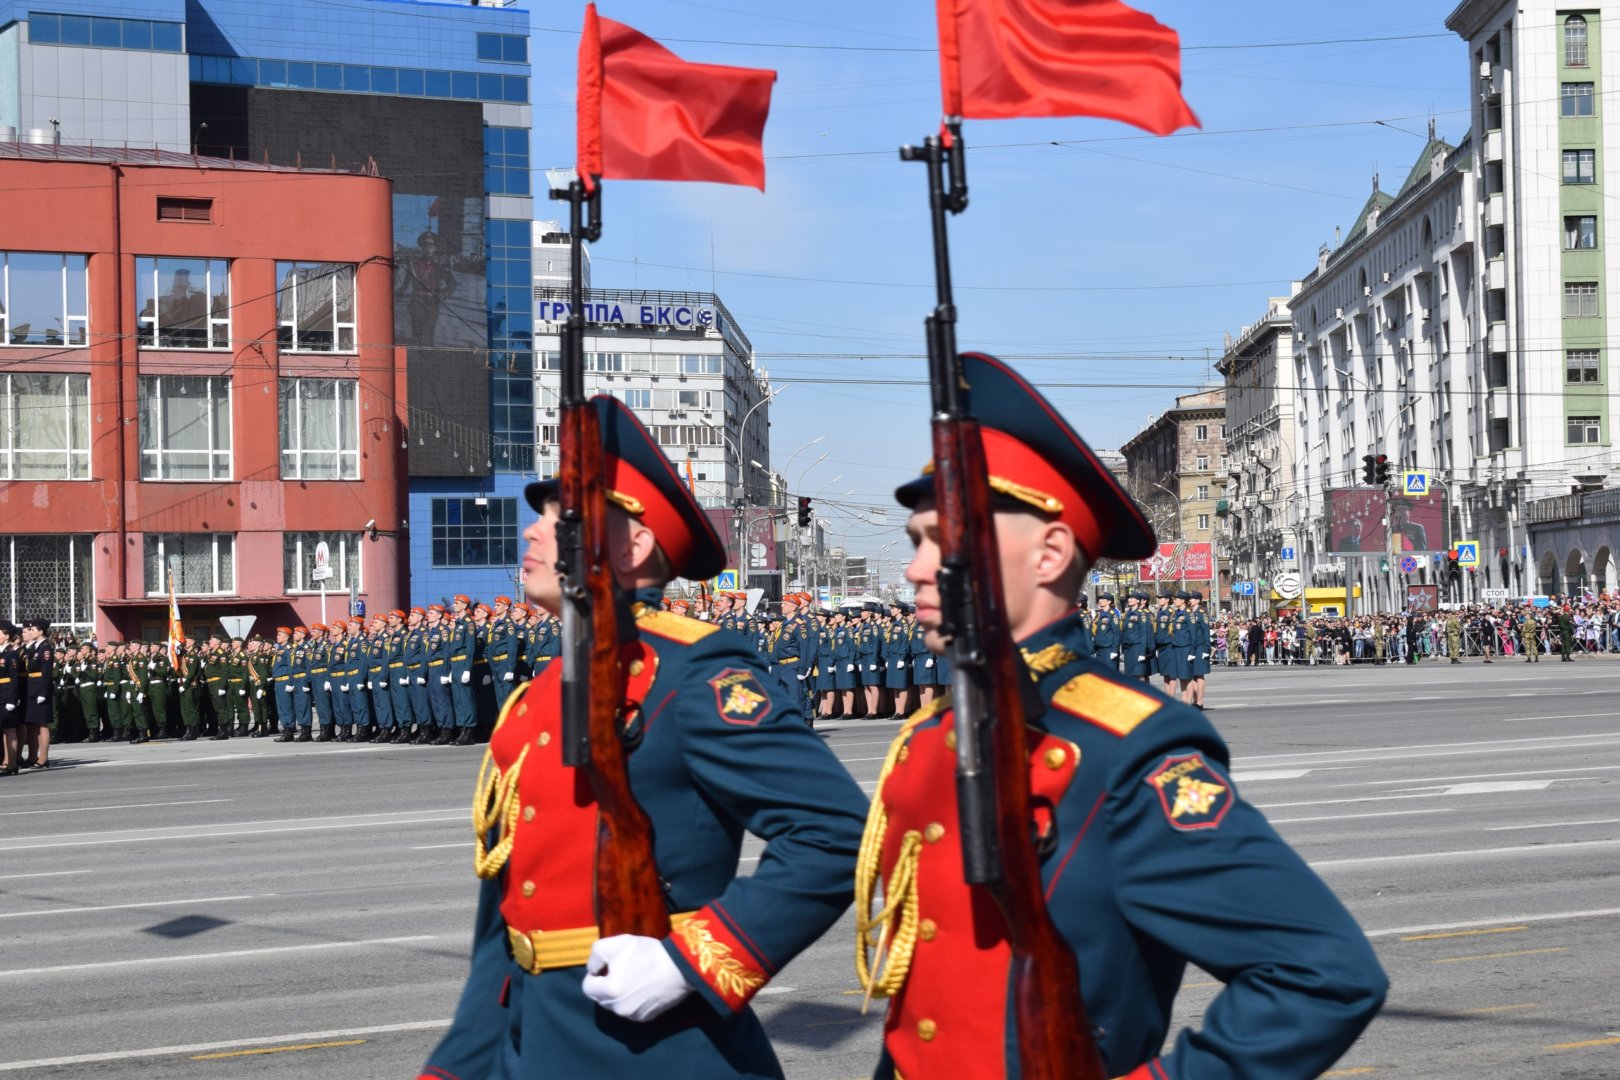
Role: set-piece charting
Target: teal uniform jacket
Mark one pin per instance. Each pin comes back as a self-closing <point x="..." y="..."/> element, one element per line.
<point x="868" y="654"/>
<point x="1202" y="646"/>
<point x="895" y="648"/>
<point x="1136" y="642"/>
<point x="924" y="664"/>
<point x="502" y="650"/>
<point x="720" y="750"/>
<point x="1151" y="861"/>
<point x="1161" y="638"/>
<point x="1105" y="636"/>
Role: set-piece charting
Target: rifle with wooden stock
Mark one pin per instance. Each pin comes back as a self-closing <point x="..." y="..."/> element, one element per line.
<point x="992" y="695"/>
<point x="629" y="895"/>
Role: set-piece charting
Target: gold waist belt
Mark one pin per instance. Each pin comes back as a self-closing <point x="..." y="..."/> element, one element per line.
<point x="546" y="950"/>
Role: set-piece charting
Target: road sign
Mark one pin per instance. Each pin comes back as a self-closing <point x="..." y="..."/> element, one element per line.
<point x="1409" y="565"/>
<point x="1096" y="577"/>
<point x="1287" y="586"/>
<point x="357" y="608"/>
<point x="726" y="581"/>
<point x="1467" y="552"/>
<point x="237" y="626"/>
<point x="1493" y="594"/>
<point x="1415" y="484"/>
<point x="1286" y="554"/>
<point x="323" y="563"/>
<point x="1243" y="588"/>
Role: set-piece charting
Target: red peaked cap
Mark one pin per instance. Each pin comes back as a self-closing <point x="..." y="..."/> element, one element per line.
<point x="641" y="481"/>
<point x="1037" y="462"/>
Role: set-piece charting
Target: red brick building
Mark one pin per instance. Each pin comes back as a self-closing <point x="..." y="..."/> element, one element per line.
<point x="197" y="369"/>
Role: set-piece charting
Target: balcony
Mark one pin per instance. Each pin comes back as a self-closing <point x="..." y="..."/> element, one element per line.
<point x="1496" y="211"/>
<point x="1496" y="273"/>
<point x="1497" y="404"/>
<point x="1493" y="146"/>
<point x="1496" y="340"/>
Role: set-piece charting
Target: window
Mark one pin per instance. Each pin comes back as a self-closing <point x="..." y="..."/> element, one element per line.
<point x="1580" y="166"/>
<point x="1585" y="429"/>
<point x="185" y="427"/>
<point x="503" y="48"/>
<point x="702" y="365"/>
<point x="315" y="306"/>
<point x="44" y="427"/>
<point x="104" y="33"/>
<point x="1581" y="366"/>
<point x="636" y="399"/>
<point x="1580" y="232"/>
<point x="1203" y="522"/>
<point x="320" y="429"/>
<point x="1201" y="431"/>
<point x="206" y="563"/>
<point x="177" y="209"/>
<point x="298" y="560"/>
<point x="1580" y="299"/>
<point x="1576" y="100"/>
<point x="475" y="532"/>
<point x="44" y="299"/>
<point x="182" y="303"/>
<point x="1203" y="463"/>
<point x="506" y="161"/>
<point x="47" y="577"/>
<point x="1574" y="41"/>
<point x="1203" y="491"/>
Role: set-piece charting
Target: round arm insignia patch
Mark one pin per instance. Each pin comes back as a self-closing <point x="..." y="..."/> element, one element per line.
<point x="1192" y="795"/>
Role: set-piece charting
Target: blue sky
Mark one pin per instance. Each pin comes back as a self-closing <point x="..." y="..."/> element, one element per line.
<point x="1106" y="268"/>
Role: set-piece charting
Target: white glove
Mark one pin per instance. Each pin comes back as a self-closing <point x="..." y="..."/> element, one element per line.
<point x="1140" y="659"/>
<point x="507" y="677"/>
<point x="343" y="688"/>
<point x="487" y="680"/>
<point x="287" y="688"/>
<point x="222" y="693"/>
<point x="466" y="677"/>
<point x="327" y="686"/>
<point x="1113" y="656"/>
<point x="371" y="686"/>
<point x="259" y="694"/>
<point x="929" y="662"/>
<point x="421" y="680"/>
<point x="242" y="692"/>
<point x="849" y="667"/>
<point x="445" y="679"/>
<point x="633" y="977"/>
<point x="11" y="706"/>
<point x="407" y="682"/>
<point x="803" y="677"/>
<point x="305" y="689"/>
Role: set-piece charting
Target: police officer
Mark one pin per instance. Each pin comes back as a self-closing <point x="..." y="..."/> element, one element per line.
<point x="723" y="750"/>
<point x="1174" y="867"/>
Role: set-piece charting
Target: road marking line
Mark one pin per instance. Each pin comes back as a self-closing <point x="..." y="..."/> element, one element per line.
<point x="1525" y="849"/>
<point x="1465" y="933"/>
<point x="276" y="1049"/>
<point x="141" y="836"/>
<point x="1498" y="955"/>
<point x="1556" y="916"/>
<point x="196" y="1048"/>
<point x="1359" y="1070"/>
<point x="1269" y="774"/>
<point x="1515" y="743"/>
<point x="1485" y="776"/>
<point x="1553" y="825"/>
<point x="118" y="806"/>
<point x="1497" y="1009"/>
<point x="76" y="792"/>
<point x="1584" y="1044"/>
<point x="1354" y="817"/>
<point x="232" y="955"/>
<point x="48" y="873"/>
<point x="124" y="907"/>
<point x="432" y="847"/>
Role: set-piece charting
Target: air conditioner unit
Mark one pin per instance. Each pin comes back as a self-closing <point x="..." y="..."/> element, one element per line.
<point x="1366" y="290"/>
<point x="1387" y="277"/>
<point x="691" y="450"/>
<point x="1428" y="314"/>
<point x="1338" y="313"/>
<point x="1484" y="69"/>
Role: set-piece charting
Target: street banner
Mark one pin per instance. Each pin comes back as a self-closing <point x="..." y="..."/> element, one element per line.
<point x="1196" y="563"/>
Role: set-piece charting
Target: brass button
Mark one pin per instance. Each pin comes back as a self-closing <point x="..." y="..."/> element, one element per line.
<point x="528" y="889"/>
<point x="927" y="929"/>
<point x="950" y="740"/>
<point x="528" y="813"/>
<point x="522" y="709"/>
<point x="545" y="738"/>
<point x="637" y="667"/>
<point x="1055" y="758"/>
<point x="934" y="832"/>
<point x="926" y="1030"/>
<point x="905" y="752"/>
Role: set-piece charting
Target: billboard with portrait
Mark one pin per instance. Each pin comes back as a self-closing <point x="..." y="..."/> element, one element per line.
<point x="1356" y="520"/>
<point x="1418" y="524"/>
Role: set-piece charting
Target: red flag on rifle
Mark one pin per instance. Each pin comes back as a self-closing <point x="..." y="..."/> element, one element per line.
<point x="1008" y="58"/>
<point x="646" y="114"/>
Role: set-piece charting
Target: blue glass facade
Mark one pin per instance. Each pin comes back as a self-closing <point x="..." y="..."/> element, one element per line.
<point x="360" y="79"/>
<point x="511" y="343"/>
<point x="430" y="583"/>
<point x="105" y="32"/>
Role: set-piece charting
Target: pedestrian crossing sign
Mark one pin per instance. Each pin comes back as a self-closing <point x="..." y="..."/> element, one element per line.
<point x="1468" y="553"/>
<point x="726" y="581"/>
<point x="1415" y="484"/>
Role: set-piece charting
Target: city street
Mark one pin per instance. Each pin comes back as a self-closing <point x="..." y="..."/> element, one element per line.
<point x="243" y="909"/>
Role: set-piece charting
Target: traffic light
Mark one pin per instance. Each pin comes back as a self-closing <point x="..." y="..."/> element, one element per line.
<point x="1369" y="469"/>
<point x="804" y="511"/>
<point x="1381" y="470"/>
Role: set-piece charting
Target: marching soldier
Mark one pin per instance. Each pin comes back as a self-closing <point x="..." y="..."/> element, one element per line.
<point x="436" y="642"/>
<point x="12" y="706"/>
<point x="1198" y="657"/>
<point x="39" y="675"/>
<point x="1149" y="859"/>
<point x="723" y="750"/>
<point x="410" y="682"/>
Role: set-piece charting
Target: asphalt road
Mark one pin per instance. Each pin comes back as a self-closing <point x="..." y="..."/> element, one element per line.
<point x="244" y="909"/>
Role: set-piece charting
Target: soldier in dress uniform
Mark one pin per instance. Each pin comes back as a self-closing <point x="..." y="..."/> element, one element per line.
<point x="436" y="643"/>
<point x="1105" y="636"/>
<point x="463" y="716"/>
<point x="504" y="647"/>
<point x="897" y="661"/>
<point x="1136" y="637"/>
<point x="337" y="670"/>
<point x="1162" y="617"/>
<point x="416" y="655"/>
<point x="319" y="652"/>
<point x="12" y="706"/>
<point x="1149" y="859"/>
<point x="87" y="678"/>
<point x="39" y="690"/>
<point x="483" y="679"/>
<point x="924" y="665"/>
<point x="722" y="749"/>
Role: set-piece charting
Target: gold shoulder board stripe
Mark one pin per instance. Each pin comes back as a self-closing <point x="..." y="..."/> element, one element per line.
<point x="1105" y="703"/>
<point x="667" y="624"/>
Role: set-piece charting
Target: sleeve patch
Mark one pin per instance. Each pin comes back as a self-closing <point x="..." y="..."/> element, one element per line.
<point x="1192" y="795"/>
<point x="739" y="697"/>
<point x="1105" y="703"/>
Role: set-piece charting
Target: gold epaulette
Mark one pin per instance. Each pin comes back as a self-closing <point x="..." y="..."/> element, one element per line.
<point x="667" y="624"/>
<point x="1109" y="705"/>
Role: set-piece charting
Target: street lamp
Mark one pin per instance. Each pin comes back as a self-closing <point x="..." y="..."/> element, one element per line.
<point x="806" y="470"/>
<point x="793" y="456"/>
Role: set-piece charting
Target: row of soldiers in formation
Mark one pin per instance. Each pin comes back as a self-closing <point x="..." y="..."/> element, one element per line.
<point x="868" y="658"/>
<point x="423" y="675"/>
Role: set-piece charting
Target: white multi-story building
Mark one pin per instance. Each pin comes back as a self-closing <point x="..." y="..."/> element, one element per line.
<point x="1546" y="270"/>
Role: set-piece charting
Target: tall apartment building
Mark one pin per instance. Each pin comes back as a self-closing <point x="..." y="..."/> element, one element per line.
<point x="197" y="369"/>
<point x="1177" y="469"/>
<point x="1546" y="273"/>
<point x="433" y="96"/>
<point x="1263" y="503"/>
